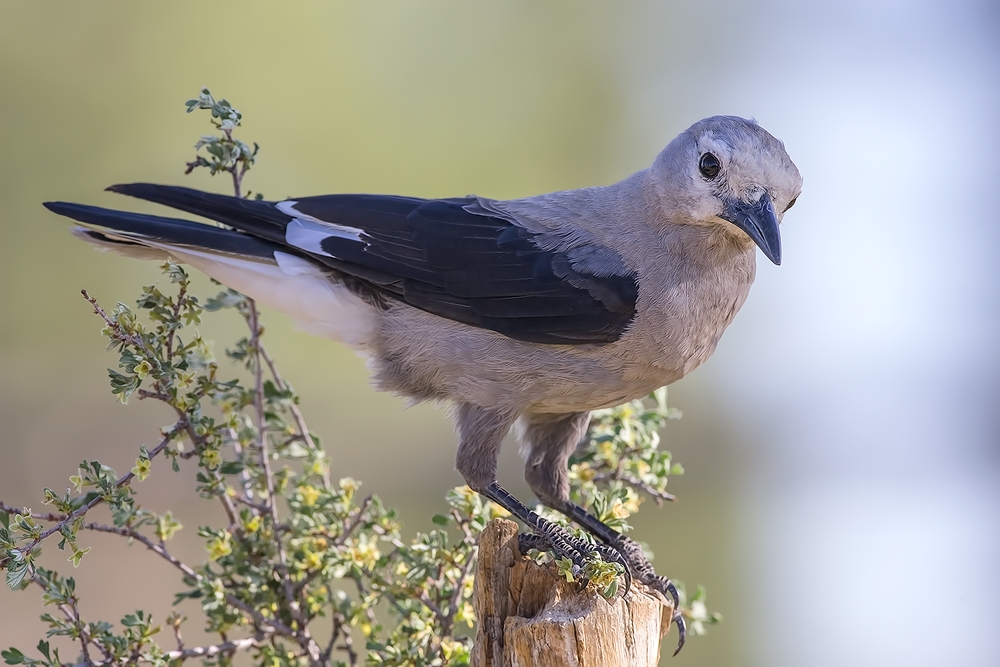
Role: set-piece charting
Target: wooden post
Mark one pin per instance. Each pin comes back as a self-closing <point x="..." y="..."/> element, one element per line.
<point x="529" y="616"/>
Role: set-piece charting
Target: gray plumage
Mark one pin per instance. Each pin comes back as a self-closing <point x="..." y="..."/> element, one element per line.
<point x="531" y="311"/>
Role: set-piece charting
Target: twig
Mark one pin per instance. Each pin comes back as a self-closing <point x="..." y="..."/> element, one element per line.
<point x="196" y="443"/>
<point x="237" y="173"/>
<point x="230" y="646"/>
<point x="302" y="635"/>
<point x="49" y="516"/>
<point x="260" y="507"/>
<point x="181" y="294"/>
<point x="355" y="522"/>
<point x="448" y="622"/>
<point x="244" y="475"/>
<point x="300" y="420"/>
<point x="340" y="629"/>
<point x="119" y="333"/>
<point x="635" y="482"/>
<point x="429" y="603"/>
<point x="76" y="514"/>
<point x="268" y="625"/>
<point x="72" y="614"/>
<point x="161" y="551"/>
<point x="176" y="625"/>
<point x="336" y="541"/>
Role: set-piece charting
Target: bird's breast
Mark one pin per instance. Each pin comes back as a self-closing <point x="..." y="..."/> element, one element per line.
<point x="681" y="318"/>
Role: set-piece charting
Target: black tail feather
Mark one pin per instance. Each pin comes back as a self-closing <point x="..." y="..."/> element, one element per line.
<point x="171" y="231"/>
<point x="260" y="218"/>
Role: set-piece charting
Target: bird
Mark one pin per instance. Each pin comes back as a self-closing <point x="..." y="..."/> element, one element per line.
<point x="523" y="314"/>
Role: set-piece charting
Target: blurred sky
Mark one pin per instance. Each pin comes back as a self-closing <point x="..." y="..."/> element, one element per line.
<point x="842" y="495"/>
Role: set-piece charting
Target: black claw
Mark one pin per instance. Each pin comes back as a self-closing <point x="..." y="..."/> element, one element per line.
<point x="673" y="594"/>
<point x="678" y="620"/>
<point x="669" y="585"/>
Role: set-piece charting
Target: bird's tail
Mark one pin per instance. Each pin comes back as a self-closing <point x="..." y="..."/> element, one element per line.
<point x="260" y="218"/>
<point x="308" y="292"/>
<point x="149" y="236"/>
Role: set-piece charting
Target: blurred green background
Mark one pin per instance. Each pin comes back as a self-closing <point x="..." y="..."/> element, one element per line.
<point x="842" y="495"/>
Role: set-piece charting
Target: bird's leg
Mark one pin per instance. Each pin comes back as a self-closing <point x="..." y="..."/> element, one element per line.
<point x="480" y="433"/>
<point x="548" y="442"/>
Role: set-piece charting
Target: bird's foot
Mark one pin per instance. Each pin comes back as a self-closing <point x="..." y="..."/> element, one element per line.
<point x="582" y="554"/>
<point x="638" y="564"/>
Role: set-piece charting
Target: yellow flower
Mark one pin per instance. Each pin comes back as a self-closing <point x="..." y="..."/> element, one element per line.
<point x="219" y="547"/>
<point x="365" y="553"/>
<point x="310" y="494"/>
<point x="618" y="510"/>
<point x="141" y="469"/>
<point x="185" y="380"/>
<point x="498" y="511"/>
<point x="253" y="525"/>
<point x="349" y="485"/>
<point x="451" y="648"/>
<point x="142" y="369"/>
<point x="632" y="501"/>
<point x="166" y="526"/>
<point x="465" y="614"/>
<point x="313" y="561"/>
<point x="211" y="458"/>
<point x="77" y="556"/>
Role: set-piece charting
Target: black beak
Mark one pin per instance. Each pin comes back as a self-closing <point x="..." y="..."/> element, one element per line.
<point x="759" y="222"/>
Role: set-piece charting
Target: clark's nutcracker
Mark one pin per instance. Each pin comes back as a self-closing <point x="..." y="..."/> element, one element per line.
<point x="529" y="312"/>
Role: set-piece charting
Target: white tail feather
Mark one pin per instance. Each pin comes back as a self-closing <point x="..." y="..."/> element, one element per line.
<point x="292" y="285"/>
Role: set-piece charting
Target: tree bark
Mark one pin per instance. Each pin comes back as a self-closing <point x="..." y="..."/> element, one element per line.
<point x="529" y="616"/>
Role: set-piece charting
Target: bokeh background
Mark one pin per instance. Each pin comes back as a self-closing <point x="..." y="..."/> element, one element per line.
<point x="842" y="447"/>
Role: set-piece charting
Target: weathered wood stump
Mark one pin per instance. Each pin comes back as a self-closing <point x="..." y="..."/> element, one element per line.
<point x="529" y="616"/>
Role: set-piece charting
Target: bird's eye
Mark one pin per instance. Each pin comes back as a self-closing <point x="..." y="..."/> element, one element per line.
<point x="791" y="203"/>
<point x="709" y="166"/>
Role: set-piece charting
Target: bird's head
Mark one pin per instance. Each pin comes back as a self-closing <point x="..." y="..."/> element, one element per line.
<point x="729" y="171"/>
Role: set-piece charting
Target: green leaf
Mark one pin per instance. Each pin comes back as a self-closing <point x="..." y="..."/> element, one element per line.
<point x="43" y="648"/>
<point x="440" y="519"/>
<point x="5" y="520"/>
<point x="16" y="574"/>
<point x="12" y="656"/>
<point x="231" y="468"/>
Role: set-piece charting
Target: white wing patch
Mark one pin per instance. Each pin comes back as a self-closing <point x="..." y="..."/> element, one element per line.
<point x="307" y="233"/>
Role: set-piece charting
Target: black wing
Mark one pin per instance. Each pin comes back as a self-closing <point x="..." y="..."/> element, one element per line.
<point x="437" y="256"/>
